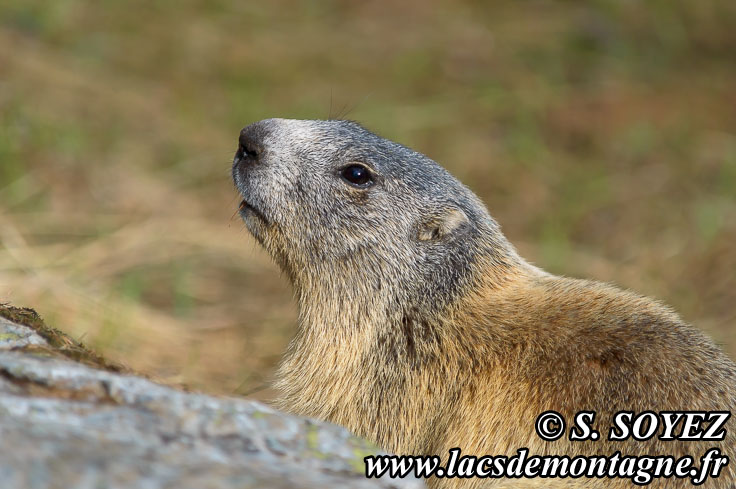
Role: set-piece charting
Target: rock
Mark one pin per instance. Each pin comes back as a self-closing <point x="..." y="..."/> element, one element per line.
<point x="69" y="419"/>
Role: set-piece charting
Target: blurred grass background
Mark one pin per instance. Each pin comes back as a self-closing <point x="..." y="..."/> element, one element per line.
<point x="601" y="135"/>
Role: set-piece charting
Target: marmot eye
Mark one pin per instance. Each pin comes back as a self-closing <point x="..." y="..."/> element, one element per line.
<point x="357" y="175"/>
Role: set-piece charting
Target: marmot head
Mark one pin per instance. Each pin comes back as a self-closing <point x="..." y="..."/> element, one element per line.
<point x="340" y="207"/>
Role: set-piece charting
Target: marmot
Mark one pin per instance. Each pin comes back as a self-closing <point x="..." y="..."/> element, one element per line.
<point x="422" y="329"/>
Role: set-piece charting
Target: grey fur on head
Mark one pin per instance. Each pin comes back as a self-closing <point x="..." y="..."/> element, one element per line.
<point x="417" y="229"/>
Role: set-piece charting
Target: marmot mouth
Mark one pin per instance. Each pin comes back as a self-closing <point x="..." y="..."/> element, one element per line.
<point x="245" y="209"/>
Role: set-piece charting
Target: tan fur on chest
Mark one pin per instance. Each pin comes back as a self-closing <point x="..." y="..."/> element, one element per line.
<point x="506" y="355"/>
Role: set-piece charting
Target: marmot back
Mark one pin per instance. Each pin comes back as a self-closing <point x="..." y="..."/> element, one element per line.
<point x="423" y="330"/>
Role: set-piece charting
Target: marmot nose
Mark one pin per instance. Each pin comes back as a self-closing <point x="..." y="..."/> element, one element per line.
<point x="250" y="144"/>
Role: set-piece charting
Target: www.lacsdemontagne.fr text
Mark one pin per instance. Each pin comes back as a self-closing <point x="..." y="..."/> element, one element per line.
<point x="641" y="470"/>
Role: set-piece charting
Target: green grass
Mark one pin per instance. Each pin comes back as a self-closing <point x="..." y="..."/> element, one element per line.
<point x="601" y="135"/>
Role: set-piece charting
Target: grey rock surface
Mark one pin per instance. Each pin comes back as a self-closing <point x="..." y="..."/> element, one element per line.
<point x="64" y="425"/>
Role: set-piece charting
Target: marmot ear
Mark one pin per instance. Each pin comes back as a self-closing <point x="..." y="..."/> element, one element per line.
<point x="449" y="221"/>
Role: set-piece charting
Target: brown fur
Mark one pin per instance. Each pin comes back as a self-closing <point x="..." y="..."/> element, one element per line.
<point x="510" y="349"/>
